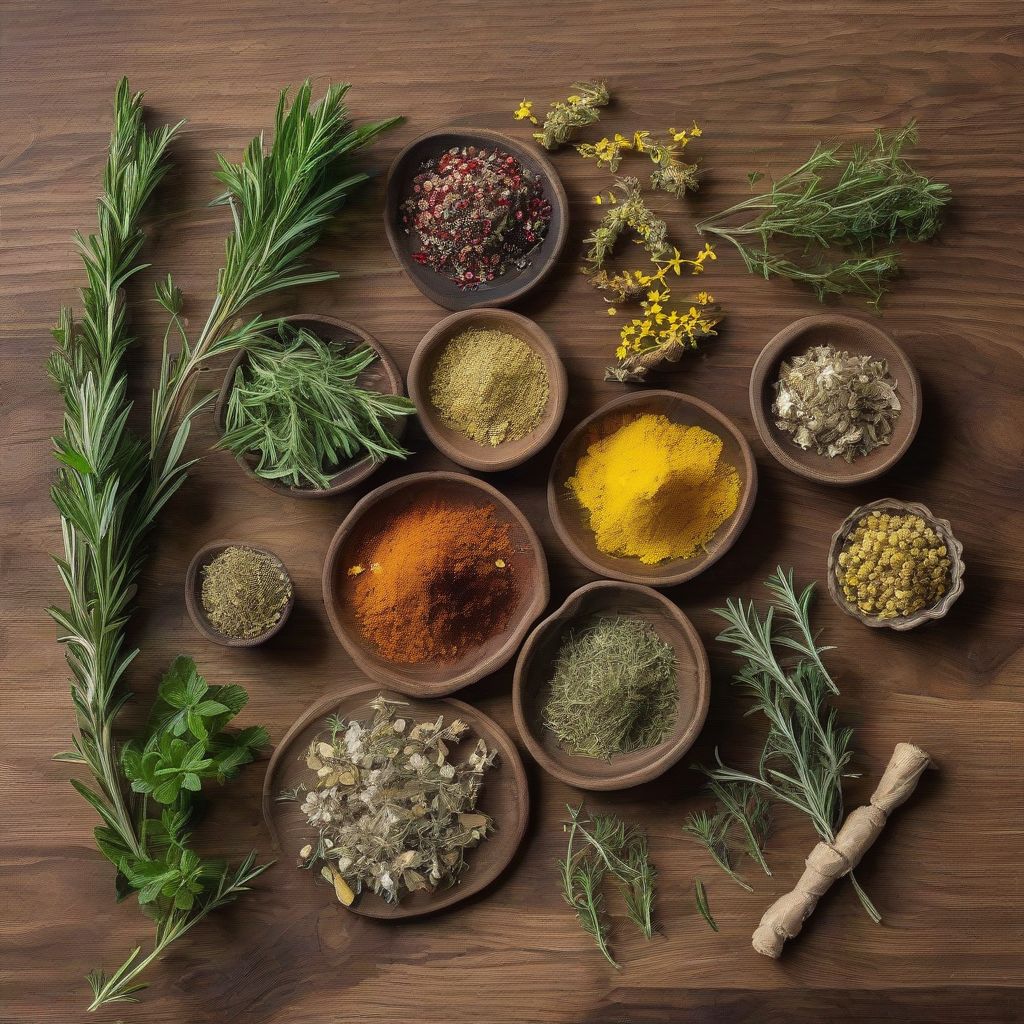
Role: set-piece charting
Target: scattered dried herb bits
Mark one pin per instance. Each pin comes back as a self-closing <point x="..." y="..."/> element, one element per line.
<point x="479" y="214"/>
<point x="893" y="565"/>
<point x="490" y="386"/>
<point x="244" y="592"/>
<point x="836" y="403"/>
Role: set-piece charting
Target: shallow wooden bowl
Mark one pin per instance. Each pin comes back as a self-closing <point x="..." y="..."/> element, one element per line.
<point x="433" y="679"/>
<point x="381" y="375"/>
<point x="194" y="601"/>
<point x="570" y="519"/>
<point x="535" y="668"/>
<point x="464" y="450"/>
<point x="940" y="526"/>
<point x="504" y="795"/>
<point x="511" y="286"/>
<point x="858" y="337"/>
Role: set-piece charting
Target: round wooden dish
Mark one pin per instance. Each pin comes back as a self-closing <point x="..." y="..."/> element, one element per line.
<point x="535" y="668"/>
<point x="507" y="288"/>
<point x="194" y="600"/>
<point x="453" y="443"/>
<point x="504" y="795"/>
<point x="381" y="375"/>
<point x="858" y="337"/>
<point x="570" y="519"/>
<point x="434" y="679"/>
<point x="940" y="526"/>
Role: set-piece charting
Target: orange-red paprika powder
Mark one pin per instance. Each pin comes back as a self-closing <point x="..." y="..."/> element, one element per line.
<point x="435" y="581"/>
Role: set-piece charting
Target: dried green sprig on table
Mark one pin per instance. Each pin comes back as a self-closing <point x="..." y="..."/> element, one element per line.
<point x="613" y="688"/>
<point x="391" y="810"/>
<point x="671" y="174"/>
<point x="608" y="846"/>
<point x="296" y="404"/>
<point x="826" y="224"/>
<point x="701" y="897"/>
<point x="566" y="117"/>
<point x="740" y="808"/>
<point x="628" y="212"/>
<point x="111" y="485"/>
<point x="806" y="754"/>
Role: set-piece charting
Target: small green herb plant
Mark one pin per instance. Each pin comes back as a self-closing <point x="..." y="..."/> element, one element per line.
<point x="599" y="845"/>
<point x="295" y="404"/>
<point x="830" y="222"/>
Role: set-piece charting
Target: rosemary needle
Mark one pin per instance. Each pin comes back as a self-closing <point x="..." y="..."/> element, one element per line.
<point x="702" y="905"/>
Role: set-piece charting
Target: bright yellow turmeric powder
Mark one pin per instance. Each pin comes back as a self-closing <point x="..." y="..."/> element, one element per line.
<point x="655" y="489"/>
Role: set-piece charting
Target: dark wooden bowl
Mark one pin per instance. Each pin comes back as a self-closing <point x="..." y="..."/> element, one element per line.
<point x="858" y="337"/>
<point x="194" y="601"/>
<point x="535" y="666"/>
<point x="381" y="375"/>
<point x="504" y="795"/>
<point x="464" y="450"/>
<point x="940" y="526"/>
<point x="508" y="287"/>
<point x="433" y="679"/>
<point x="570" y="519"/>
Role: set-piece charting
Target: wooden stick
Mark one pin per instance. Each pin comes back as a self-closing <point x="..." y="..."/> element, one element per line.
<point x="830" y="861"/>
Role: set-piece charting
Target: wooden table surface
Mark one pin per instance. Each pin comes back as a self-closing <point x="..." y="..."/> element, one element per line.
<point x="766" y="81"/>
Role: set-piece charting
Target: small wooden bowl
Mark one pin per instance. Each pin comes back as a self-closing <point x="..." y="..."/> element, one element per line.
<point x="194" y="590"/>
<point x="535" y="668"/>
<point x="464" y="450"/>
<point x="570" y="520"/>
<point x="432" y="679"/>
<point x="507" y="288"/>
<point x="504" y="795"/>
<point x="940" y="526"/>
<point x="858" y="337"/>
<point x="381" y="375"/>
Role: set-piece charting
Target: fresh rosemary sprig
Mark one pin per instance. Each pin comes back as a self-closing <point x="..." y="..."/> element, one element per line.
<point x="873" y="200"/>
<point x="711" y="831"/>
<point x="806" y="754"/>
<point x="280" y="202"/>
<point x="296" y="404"/>
<point x="111" y="487"/>
<point x="609" y="846"/>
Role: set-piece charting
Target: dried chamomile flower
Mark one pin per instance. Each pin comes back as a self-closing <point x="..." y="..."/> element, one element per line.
<point x="565" y="118"/>
<point x="392" y="810"/>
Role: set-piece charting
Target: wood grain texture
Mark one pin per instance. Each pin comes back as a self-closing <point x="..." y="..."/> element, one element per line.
<point x="766" y="80"/>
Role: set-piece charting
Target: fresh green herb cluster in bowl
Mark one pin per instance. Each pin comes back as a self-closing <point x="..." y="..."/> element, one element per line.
<point x="296" y="406"/>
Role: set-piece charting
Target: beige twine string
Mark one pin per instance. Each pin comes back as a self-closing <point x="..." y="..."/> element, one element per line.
<point x="830" y="861"/>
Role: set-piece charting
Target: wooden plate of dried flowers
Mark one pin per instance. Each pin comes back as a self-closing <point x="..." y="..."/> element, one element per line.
<point x="432" y="581"/>
<point x="892" y="408"/>
<point x="524" y="259"/>
<point x="268" y="603"/>
<point x="502" y="797"/>
<point x="943" y="535"/>
<point x="458" y="444"/>
<point x="381" y="375"/>
<point x="591" y="606"/>
<point x="627" y="458"/>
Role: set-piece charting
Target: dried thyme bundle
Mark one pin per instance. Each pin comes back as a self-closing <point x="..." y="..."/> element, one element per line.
<point x="391" y="811"/>
<point x="566" y="117"/>
<point x="614" y="688"/>
<point x="629" y="212"/>
<point x="835" y="402"/>
<point x="244" y="592"/>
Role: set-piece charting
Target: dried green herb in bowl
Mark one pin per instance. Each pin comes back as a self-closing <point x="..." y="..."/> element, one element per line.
<point x="297" y="408"/>
<point x="244" y="592"/>
<point x="390" y="810"/>
<point x="614" y="688"/>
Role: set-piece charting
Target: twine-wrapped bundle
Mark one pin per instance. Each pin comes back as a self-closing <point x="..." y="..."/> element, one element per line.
<point x="830" y="861"/>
